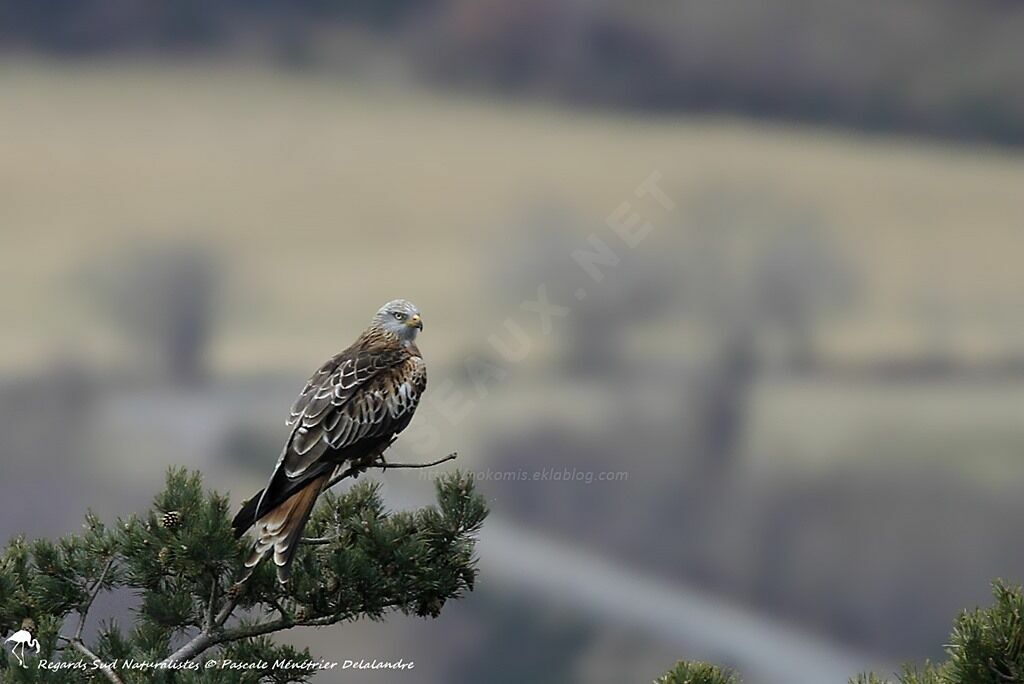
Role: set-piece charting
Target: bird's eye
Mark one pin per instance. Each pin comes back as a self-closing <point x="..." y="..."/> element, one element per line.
<point x="399" y="316"/>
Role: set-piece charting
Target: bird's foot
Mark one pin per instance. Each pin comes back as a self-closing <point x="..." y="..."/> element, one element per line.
<point x="236" y="590"/>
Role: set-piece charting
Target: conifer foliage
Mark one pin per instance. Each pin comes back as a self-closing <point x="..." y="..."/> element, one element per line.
<point x="697" y="673"/>
<point x="986" y="647"/>
<point x="180" y="560"/>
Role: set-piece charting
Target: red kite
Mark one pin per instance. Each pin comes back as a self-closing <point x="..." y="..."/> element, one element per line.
<point x="348" y="413"/>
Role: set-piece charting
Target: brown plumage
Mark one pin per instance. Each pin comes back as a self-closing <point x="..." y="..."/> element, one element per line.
<point x="349" y="412"/>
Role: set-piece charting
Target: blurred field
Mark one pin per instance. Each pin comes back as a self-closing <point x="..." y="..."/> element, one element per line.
<point x="304" y="182"/>
<point x="973" y="430"/>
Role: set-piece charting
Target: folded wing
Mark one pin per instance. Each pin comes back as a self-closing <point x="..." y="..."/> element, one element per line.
<point x="348" y="412"/>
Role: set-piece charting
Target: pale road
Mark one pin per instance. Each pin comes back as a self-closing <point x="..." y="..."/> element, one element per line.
<point x="763" y="649"/>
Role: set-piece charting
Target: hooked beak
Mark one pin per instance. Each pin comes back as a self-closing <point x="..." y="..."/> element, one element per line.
<point x="415" y="322"/>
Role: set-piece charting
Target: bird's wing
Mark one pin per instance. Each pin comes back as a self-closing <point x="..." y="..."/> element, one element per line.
<point x="365" y="394"/>
<point x="333" y="409"/>
<point x="380" y="408"/>
<point x="348" y="410"/>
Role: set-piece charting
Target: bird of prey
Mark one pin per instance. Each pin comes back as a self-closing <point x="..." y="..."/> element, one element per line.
<point x="348" y="413"/>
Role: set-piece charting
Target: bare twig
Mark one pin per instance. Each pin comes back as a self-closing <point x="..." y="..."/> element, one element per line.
<point x="316" y="541"/>
<point x="389" y="466"/>
<point x="83" y="611"/>
<point x="94" y="590"/>
<point x="383" y="465"/>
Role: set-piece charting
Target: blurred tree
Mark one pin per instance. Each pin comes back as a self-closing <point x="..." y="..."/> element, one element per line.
<point x="180" y="558"/>
<point x="162" y="297"/>
<point x="756" y="269"/>
<point x="801" y="277"/>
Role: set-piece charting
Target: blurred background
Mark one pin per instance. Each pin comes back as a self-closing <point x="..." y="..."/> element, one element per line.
<point x="722" y="301"/>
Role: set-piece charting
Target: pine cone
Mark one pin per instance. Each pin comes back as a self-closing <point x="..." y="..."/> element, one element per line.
<point x="171" y="520"/>
<point x="164" y="555"/>
<point x="432" y="609"/>
<point x="28" y="624"/>
<point x="235" y="590"/>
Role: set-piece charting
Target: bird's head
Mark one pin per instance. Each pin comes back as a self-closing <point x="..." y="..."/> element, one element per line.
<point x="401" y="318"/>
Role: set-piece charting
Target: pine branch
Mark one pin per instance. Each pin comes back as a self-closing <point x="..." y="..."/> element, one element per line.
<point x="208" y="638"/>
<point x="356" y="470"/>
<point x="316" y="541"/>
<point x="179" y="558"/>
<point x="986" y="647"/>
<point x="77" y="644"/>
<point x="697" y="673"/>
<point x="201" y="642"/>
<point x="227" y="609"/>
<point x="280" y="609"/>
<point x="214" y="634"/>
<point x="211" y="606"/>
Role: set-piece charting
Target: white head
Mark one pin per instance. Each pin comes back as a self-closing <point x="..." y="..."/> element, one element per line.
<point x="401" y="318"/>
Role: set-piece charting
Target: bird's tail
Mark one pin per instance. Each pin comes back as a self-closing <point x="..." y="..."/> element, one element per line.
<point x="246" y="516"/>
<point x="278" y="531"/>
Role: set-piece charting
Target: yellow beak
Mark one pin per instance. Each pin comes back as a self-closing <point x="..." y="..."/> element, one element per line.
<point x="415" y="322"/>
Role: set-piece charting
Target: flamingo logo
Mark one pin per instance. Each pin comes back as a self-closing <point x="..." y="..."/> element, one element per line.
<point x="22" y="638"/>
